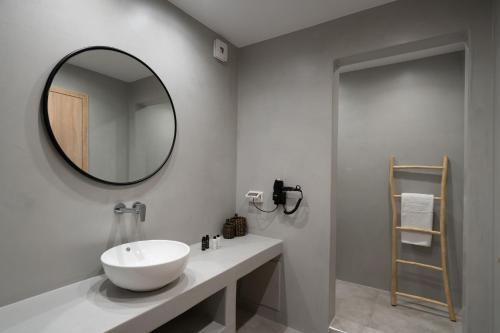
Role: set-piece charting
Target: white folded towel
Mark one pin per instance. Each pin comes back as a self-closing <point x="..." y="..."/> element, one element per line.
<point x="416" y="212"/>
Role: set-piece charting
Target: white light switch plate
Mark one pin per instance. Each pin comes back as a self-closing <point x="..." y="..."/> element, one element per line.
<point x="255" y="196"/>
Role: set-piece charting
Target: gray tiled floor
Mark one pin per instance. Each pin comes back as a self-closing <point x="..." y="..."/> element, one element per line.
<point x="361" y="309"/>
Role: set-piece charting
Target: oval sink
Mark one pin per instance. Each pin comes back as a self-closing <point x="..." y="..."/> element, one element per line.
<point x="145" y="265"/>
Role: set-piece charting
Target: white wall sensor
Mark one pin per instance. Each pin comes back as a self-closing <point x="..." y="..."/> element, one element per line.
<point x="220" y="50"/>
<point x="256" y="196"/>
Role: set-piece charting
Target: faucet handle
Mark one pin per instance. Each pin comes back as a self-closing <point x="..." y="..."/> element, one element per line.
<point x="140" y="209"/>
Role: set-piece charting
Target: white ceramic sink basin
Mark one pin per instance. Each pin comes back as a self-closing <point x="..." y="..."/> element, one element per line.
<point x="145" y="265"/>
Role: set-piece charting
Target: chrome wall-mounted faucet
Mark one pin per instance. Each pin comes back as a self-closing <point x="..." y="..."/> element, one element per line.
<point x="138" y="208"/>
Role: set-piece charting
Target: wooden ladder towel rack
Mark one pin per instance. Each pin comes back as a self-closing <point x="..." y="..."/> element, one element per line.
<point x="441" y="233"/>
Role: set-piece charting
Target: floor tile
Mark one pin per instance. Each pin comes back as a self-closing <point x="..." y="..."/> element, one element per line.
<point x="346" y="325"/>
<point x="408" y="317"/>
<point x="348" y="289"/>
<point x="368" y="310"/>
<point x="354" y="302"/>
<point x="367" y="329"/>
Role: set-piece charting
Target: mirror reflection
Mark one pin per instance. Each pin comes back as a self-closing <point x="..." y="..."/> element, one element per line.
<point x="111" y="116"/>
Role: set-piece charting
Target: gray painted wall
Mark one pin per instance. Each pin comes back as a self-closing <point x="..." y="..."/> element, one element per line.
<point x="286" y="128"/>
<point x="151" y="126"/>
<point x="497" y="168"/>
<point x="414" y="111"/>
<point x="108" y="119"/>
<point x="151" y="135"/>
<point x="54" y="223"/>
<point x="147" y="91"/>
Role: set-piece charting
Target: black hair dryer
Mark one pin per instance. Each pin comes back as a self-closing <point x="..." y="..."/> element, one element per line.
<point x="279" y="195"/>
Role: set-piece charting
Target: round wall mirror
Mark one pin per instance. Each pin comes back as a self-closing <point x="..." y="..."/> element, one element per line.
<point x="109" y="115"/>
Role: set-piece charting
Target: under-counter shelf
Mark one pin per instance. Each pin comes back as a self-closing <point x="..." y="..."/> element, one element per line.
<point x="96" y="305"/>
<point x="191" y="322"/>
<point x="205" y="317"/>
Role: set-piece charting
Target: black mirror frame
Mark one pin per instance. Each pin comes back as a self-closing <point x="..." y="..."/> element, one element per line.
<point x="45" y="114"/>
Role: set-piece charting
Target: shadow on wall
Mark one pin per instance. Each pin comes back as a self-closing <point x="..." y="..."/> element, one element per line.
<point x="125" y="228"/>
<point x="298" y="220"/>
<point x="263" y="292"/>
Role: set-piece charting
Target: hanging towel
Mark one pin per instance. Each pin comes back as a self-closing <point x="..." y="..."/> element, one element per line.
<point x="416" y="212"/>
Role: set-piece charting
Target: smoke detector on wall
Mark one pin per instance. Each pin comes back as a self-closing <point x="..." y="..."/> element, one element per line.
<point x="220" y="50"/>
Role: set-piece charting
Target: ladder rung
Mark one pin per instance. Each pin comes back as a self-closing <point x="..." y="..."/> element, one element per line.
<point x="399" y="196"/>
<point x="420" y="298"/>
<point x="419" y="230"/>
<point x="407" y="262"/>
<point x="430" y="167"/>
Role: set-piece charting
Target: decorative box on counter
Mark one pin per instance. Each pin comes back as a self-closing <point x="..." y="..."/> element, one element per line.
<point x="235" y="227"/>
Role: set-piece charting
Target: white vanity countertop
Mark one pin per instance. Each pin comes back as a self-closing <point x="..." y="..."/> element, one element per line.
<point x="96" y="305"/>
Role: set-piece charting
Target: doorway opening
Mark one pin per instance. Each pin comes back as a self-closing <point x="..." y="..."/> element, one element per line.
<point x="413" y="110"/>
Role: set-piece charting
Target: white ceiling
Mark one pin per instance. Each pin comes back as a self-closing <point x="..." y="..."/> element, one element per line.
<point x="110" y="63"/>
<point x="245" y="22"/>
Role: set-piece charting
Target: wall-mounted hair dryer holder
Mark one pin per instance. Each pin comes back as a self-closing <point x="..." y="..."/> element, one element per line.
<point x="279" y="197"/>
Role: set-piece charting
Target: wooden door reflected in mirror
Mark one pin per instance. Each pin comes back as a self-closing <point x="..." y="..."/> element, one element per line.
<point x="68" y="114"/>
